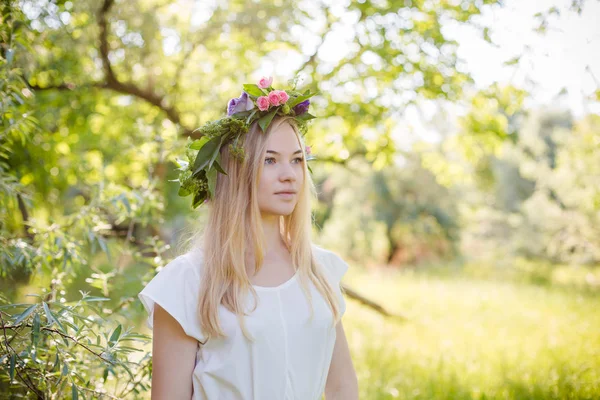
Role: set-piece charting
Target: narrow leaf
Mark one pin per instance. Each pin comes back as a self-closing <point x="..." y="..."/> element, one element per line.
<point x="218" y="166"/>
<point x="103" y="246"/>
<point x="35" y="332"/>
<point x="25" y="314"/>
<point x="13" y="360"/>
<point x="94" y="298"/>
<point x="56" y="362"/>
<point x="307" y="95"/>
<point x="115" y="336"/>
<point x="211" y="176"/>
<point x="49" y="315"/>
<point x="205" y="154"/>
<point x="306" y="117"/>
<point x="251" y="116"/>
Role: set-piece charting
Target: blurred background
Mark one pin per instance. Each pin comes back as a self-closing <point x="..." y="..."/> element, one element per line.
<point x="458" y="171"/>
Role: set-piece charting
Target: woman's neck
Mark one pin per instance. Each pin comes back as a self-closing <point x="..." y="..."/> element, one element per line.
<point x="272" y="234"/>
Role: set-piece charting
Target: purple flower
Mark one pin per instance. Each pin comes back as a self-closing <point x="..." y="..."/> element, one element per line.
<point x="301" y="108"/>
<point x="243" y="103"/>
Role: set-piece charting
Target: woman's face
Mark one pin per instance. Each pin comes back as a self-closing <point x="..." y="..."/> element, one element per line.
<point x="282" y="175"/>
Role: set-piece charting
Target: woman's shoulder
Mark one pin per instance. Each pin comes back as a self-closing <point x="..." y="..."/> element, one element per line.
<point x="176" y="289"/>
<point x="324" y="253"/>
<point x="190" y="260"/>
<point x="331" y="260"/>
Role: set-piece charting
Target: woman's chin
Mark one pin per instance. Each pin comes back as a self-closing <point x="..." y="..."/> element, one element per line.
<point x="283" y="210"/>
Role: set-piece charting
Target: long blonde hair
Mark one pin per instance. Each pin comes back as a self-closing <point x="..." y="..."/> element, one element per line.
<point x="234" y="226"/>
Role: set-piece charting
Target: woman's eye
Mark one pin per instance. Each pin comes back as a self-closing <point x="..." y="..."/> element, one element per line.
<point x="271" y="160"/>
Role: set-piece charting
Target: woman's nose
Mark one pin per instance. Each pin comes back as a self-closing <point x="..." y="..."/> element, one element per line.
<point x="287" y="172"/>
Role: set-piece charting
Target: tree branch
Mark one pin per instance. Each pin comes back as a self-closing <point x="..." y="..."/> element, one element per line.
<point x="113" y="83"/>
<point x="27" y="382"/>
<point x="371" y="304"/>
<point x="14" y="327"/>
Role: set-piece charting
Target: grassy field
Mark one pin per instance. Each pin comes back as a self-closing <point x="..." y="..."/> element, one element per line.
<point x="473" y="338"/>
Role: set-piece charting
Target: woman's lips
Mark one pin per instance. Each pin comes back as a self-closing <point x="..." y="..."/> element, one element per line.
<point x="286" y="195"/>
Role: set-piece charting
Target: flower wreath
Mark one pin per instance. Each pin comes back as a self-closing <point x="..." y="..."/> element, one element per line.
<point x="260" y="102"/>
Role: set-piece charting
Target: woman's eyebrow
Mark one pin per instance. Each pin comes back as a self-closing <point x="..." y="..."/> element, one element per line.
<point x="274" y="152"/>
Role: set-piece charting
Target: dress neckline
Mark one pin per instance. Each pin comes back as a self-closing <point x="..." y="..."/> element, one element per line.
<point x="278" y="287"/>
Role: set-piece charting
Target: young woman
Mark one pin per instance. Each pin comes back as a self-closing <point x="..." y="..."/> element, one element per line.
<point x="253" y="310"/>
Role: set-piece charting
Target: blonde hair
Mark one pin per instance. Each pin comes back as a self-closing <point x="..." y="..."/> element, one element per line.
<point x="234" y="226"/>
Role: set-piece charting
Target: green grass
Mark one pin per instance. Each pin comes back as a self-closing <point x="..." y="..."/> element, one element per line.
<point x="473" y="338"/>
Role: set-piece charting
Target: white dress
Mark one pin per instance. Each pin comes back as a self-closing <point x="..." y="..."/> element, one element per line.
<point x="290" y="357"/>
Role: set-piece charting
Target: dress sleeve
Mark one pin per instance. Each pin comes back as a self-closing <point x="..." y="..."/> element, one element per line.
<point x="336" y="268"/>
<point x="176" y="289"/>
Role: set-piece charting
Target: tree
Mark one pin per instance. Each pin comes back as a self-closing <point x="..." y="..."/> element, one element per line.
<point x="96" y="101"/>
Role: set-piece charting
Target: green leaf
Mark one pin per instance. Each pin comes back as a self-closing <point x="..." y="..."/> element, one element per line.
<point x="253" y="90"/>
<point x="19" y="304"/>
<point x="197" y="144"/>
<point x="211" y="176"/>
<point x="205" y="154"/>
<point x="115" y="336"/>
<point x="25" y="314"/>
<point x="103" y="246"/>
<point x="9" y="56"/>
<point x="65" y="370"/>
<point x="49" y="315"/>
<point x="218" y="166"/>
<point x="300" y="99"/>
<point x="52" y="319"/>
<point x="74" y="392"/>
<point x="35" y="332"/>
<point x="125" y="202"/>
<point x="184" y="191"/>
<point x="11" y="371"/>
<point x="56" y="363"/>
<point x="513" y="61"/>
<point x="252" y="114"/>
<point x="265" y="121"/>
<point x="94" y="298"/>
<point x="198" y="199"/>
<point x="126" y="368"/>
<point x="306" y="117"/>
<point x="135" y="337"/>
<point x="216" y="153"/>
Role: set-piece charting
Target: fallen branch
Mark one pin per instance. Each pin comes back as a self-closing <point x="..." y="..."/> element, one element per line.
<point x="351" y="293"/>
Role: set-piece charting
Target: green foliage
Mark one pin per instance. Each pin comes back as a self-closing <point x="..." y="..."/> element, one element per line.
<point x="70" y="348"/>
<point x="530" y="178"/>
<point x="401" y="215"/>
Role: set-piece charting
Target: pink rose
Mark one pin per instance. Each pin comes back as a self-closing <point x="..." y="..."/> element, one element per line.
<point x="265" y="82"/>
<point x="283" y="96"/>
<point x="263" y="103"/>
<point x="307" y="150"/>
<point x="274" y="98"/>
